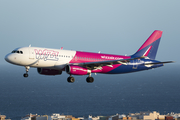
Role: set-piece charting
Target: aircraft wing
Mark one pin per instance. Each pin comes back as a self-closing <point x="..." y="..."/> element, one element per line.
<point x="95" y="65"/>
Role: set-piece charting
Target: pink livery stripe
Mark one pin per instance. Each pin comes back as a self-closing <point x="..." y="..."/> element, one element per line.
<point x="147" y="51"/>
<point x="83" y="57"/>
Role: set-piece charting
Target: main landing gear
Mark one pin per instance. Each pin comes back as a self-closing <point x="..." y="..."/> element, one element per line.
<point x="89" y="79"/>
<point x="70" y="79"/>
<point x="27" y="69"/>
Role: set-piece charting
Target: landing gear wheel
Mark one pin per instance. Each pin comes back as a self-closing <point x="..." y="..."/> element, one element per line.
<point x="90" y="79"/>
<point x="27" y="69"/>
<point x="25" y="75"/>
<point x="70" y="79"/>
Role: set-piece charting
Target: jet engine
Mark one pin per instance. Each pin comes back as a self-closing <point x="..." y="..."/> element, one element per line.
<point x="76" y="70"/>
<point x="45" y="71"/>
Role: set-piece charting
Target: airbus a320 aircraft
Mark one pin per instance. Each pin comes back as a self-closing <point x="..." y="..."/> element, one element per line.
<point x="54" y="61"/>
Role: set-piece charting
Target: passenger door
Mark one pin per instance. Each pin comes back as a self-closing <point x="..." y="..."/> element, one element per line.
<point x="31" y="53"/>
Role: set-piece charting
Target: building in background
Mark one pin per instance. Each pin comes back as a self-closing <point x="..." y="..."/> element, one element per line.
<point x="131" y="116"/>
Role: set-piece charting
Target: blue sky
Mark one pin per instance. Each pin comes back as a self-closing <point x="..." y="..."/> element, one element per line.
<point x="117" y="27"/>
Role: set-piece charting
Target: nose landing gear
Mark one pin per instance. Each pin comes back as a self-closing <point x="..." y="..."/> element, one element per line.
<point x="27" y="69"/>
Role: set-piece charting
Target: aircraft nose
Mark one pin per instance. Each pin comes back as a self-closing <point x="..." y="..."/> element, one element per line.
<point x="9" y="58"/>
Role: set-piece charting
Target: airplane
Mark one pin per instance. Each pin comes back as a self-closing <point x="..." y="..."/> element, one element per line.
<point x="55" y="61"/>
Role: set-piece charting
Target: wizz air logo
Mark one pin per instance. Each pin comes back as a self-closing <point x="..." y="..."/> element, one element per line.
<point x="46" y="54"/>
<point x="111" y="57"/>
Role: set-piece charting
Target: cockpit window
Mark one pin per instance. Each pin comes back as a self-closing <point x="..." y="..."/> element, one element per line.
<point x="17" y="51"/>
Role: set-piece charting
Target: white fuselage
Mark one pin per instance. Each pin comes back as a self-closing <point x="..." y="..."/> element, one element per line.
<point x="40" y="57"/>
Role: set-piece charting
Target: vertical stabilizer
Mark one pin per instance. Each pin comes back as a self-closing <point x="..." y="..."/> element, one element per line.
<point x="150" y="46"/>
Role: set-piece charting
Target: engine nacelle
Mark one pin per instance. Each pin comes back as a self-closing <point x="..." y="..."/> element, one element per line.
<point x="76" y="70"/>
<point x="45" y="71"/>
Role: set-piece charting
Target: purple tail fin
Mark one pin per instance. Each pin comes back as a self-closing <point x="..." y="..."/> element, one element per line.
<point x="150" y="46"/>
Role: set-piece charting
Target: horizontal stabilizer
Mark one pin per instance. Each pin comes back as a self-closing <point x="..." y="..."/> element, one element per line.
<point x="159" y="63"/>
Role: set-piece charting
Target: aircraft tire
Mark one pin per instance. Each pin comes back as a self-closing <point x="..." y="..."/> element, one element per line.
<point x="90" y="79"/>
<point x="25" y="75"/>
<point x="70" y="79"/>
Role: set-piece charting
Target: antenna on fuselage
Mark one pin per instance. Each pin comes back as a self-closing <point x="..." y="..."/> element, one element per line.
<point x="30" y="45"/>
